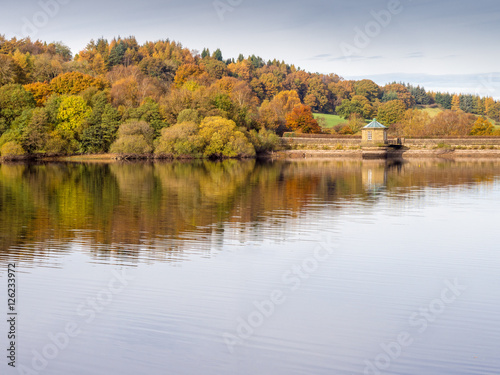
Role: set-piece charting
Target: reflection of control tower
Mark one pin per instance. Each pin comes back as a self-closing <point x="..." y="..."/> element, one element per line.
<point x="374" y="175"/>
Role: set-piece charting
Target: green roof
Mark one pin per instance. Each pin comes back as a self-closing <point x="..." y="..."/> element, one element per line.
<point x="375" y="124"/>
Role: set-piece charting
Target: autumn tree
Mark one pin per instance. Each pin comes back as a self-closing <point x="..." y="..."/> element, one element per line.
<point x="414" y="123"/>
<point x="186" y="72"/>
<point x="180" y="140"/>
<point x="188" y="115"/>
<point x="13" y="133"/>
<point x="134" y="137"/>
<point x="221" y="138"/>
<point x="270" y="84"/>
<point x="215" y="69"/>
<point x="47" y="67"/>
<point x="342" y="89"/>
<point x="74" y="83"/>
<point x="7" y="72"/>
<point x="355" y="123"/>
<point x="14" y="99"/>
<point x="149" y="111"/>
<point x="11" y="149"/>
<point x="391" y="112"/>
<point x="449" y="123"/>
<point x="98" y="65"/>
<point x="358" y="104"/>
<point x="493" y="111"/>
<point x="157" y="68"/>
<point x="23" y="66"/>
<point x="455" y="103"/>
<point x="480" y="105"/>
<point x="242" y="69"/>
<point x="368" y="89"/>
<point x="488" y="102"/>
<point x="125" y="92"/>
<point x="41" y="92"/>
<point x="72" y="112"/>
<point x="298" y="82"/>
<point x="302" y="120"/>
<point x="482" y="127"/>
<point x="35" y="135"/>
<point x="317" y="96"/>
<point x="175" y="102"/>
<point x="402" y="93"/>
<point x="273" y="113"/>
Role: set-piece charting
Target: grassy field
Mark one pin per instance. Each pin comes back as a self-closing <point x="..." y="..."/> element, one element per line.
<point x="331" y="120"/>
<point x="334" y="120"/>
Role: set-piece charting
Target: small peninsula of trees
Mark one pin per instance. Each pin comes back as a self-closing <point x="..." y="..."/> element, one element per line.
<point x="161" y="98"/>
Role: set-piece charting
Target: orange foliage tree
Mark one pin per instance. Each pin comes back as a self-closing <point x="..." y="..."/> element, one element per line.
<point x="452" y="123"/>
<point x="301" y="119"/>
<point x="41" y="92"/>
<point x="273" y="113"/>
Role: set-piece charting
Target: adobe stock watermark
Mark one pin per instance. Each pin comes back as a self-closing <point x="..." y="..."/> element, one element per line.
<point x="224" y="6"/>
<point x="489" y="84"/>
<point x="49" y="9"/>
<point x="372" y="29"/>
<point x="87" y="312"/>
<point x="420" y="320"/>
<point x="292" y="280"/>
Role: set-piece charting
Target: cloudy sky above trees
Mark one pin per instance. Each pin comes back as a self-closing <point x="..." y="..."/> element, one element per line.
<point x="445" y="44"/>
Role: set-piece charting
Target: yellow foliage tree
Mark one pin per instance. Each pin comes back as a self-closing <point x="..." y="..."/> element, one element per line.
<point x="273" y="113"/>
<point x="482" y="127"/>
<point x="222" y="139"/>
<point x="75" y="82"/>
<point x="72" y="112"/>
<point x="455" y="103"/>
<point x="391" y="112"/>
<point x="415" y="123"/>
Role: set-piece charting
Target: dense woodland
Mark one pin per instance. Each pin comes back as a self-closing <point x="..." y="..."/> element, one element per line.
<point x="159" y="97"/>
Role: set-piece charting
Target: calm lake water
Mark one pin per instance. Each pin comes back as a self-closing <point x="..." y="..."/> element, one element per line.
<point x="310" y="267"/>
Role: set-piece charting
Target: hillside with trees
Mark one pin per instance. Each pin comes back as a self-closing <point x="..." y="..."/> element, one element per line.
<point x="161" y="98"/>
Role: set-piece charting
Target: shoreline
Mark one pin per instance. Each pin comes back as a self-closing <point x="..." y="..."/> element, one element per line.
<point x="279" y="155"/>
<point x="407" y="154"/>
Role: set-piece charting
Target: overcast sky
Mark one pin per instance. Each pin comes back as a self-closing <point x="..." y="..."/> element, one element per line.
<point x="380" y="39"/>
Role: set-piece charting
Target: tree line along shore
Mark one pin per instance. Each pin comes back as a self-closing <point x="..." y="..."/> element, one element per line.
<point x="162" y="99"/>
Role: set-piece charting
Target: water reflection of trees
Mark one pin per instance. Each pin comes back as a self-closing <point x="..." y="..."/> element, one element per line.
<point x="123" y="208"/>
